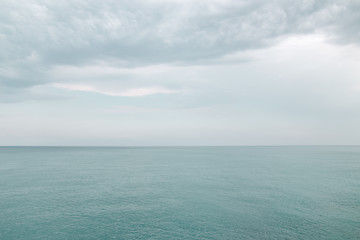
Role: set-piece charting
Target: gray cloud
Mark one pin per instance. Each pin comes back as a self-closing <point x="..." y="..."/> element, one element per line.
<point x="37" y="36"/>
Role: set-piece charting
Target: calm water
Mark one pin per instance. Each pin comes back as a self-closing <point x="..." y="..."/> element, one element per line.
<point x="180" y="193"/>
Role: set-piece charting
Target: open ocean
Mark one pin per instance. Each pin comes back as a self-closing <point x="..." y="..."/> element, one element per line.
<point x="180" y="193"/>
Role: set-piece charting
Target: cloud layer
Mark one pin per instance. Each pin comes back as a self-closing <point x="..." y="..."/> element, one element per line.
<point x="38" y="36"/>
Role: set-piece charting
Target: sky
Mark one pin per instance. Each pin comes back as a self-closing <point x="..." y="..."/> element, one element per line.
<point x="179" y="72"/>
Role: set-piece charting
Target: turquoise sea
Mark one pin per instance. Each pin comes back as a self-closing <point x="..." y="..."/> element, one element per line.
<point x="180" y="193"/>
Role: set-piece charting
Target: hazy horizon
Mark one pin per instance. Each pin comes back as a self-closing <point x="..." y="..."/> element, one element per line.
<point x="168" y="146"/>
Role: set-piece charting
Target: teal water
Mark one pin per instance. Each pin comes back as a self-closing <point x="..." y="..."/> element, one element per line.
<point x="180" y="193"/>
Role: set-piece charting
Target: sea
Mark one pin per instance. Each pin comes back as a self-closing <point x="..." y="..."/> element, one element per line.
<point x="271" y="192"/>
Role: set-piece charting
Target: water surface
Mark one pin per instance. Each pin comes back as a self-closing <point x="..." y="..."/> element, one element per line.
<point x="180" y="193"/>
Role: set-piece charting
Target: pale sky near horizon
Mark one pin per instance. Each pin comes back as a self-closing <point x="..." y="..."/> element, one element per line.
<point x="172" y="72"/>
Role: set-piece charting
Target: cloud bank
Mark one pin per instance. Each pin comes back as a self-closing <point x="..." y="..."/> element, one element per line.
<point x="39" y="36"/>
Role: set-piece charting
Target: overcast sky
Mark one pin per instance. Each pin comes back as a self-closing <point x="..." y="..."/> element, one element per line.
<point x="179" y="72"/>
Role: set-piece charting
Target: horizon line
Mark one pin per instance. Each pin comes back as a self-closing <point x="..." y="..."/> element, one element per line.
<point x="169" y="146"/>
